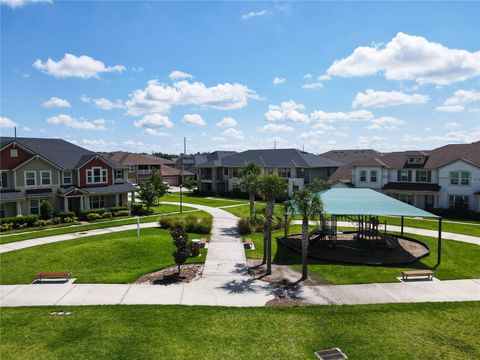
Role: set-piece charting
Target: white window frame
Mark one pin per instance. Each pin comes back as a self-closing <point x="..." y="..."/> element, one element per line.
<point x="49" y="177"/>
<point x="30" y="207"/>
<point x="71" y="177"/>
<point x="284" y="171"/>
<point x="426" y="176"/>
<point x="34" y="178"/>
<point x="452" y="200"/>
<point x="13" y="153"/>
<point x="459" y="179"/>
<point x="468" y="178"/>
<point x="131" y="168"/>
<point x="402" y="172"/>
<point x="363" y="176"/>
<point x="118" y="172"/>
<point x="373" y="172"/>
<point x="415" y="160"/>
<point x="100" y="199"/>
<point x="91" y="175"/>
<point x="1" y="177"/>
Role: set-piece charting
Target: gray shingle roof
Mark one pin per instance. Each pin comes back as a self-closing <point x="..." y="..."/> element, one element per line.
<point x="111" y="189"/>
<point x="275" y="158"/>
<point x="190" y="162"/>
<point x="60" y="152"/>
<point x="11" y="196"/>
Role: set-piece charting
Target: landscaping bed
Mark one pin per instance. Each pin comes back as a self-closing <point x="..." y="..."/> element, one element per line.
<point x="170" y="275"/>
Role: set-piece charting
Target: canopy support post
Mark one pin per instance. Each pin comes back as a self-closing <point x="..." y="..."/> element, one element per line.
<point x="401" y="229"/>
<point x="439" y="246"/>
<point x="285" y="237"/>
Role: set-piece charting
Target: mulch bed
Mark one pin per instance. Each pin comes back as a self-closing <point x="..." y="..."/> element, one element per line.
<point x="170" y="275"/>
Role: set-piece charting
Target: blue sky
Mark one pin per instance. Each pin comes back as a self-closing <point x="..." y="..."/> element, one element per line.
<point x="139" y="76"/>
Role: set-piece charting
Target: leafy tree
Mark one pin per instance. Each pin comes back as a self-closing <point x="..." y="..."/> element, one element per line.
<point x="249" y="177"/>
<point x="46" y="211"/>
<point x="180" y="240"/>
<point x="271" y="187"/>
<point x="147" y="194"/>
<point x="317" y="185"/>
<point x="190" y="184"/>
<point x="308" y="205"/>
<point x="158" y="184"/>
<point x="287" y="211"/>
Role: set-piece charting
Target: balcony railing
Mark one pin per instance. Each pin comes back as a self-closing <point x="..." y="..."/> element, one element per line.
<point x="144" y="172"/>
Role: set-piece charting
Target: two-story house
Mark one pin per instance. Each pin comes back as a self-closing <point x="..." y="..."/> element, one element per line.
<point x="298" y="168"/>
<point x="446" y="177"/>
<point x="140" y="166"/>
<point x="70" y="177"/>
<point x="191" y="162"/>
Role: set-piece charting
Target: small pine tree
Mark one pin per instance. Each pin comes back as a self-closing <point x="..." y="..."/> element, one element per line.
<point x="180" y="240"/>
<point x="147" y="194"/>
<point x="190" y="184"/>
<point x="45" y="210"/>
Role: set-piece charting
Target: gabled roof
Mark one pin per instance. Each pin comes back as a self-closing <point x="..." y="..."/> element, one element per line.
<point x="128" y="158"/>
<point x="347" y="156"/>
<point x="58" y="151"/>
<point x="274" y="158"/>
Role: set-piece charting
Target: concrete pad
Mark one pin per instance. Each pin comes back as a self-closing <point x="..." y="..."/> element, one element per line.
<point x="362" y="294"/>
<point x="477" y="281"/>
<point x="7" y="289"/>
<point x="153" y="294"/>
<point x="36" y="295"/>
<point x="414" y="292"/>
<point x="198" y="293"/>
<point x="320" y="295"/>
<point x="460" y="290"/>
<point x="95" y="294"/>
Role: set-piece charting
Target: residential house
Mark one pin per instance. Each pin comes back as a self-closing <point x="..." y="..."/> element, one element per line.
<point x="298" y="168"/>
<point x="140" y="166"/>
<point x="190" y="162"/>
<point x="68" y="176"/>
<point x="446" y="177"/>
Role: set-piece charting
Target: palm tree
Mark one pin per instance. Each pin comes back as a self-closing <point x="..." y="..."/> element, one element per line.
<point x="287" y="211"/>
<point x="271" y="187"/>
<point x="308" y="205"/>
<point x="249" y="175"/>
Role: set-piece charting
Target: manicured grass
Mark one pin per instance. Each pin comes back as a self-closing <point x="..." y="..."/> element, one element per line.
<point x="459" y="261"/>
<point x="390" y="331"/>
<point x="92" y="226"/>
<point x="112" y="258"/>
<point x="472" y="229"/>
<point x="167" y="208"/>
<point x="243" y="211"/>
<point x="201" y="200"/>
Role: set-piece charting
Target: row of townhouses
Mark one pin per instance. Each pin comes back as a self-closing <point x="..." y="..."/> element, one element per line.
<point x="297" y="168"/>
<point x="446" y="177"/>
<point x="71" y="178"/>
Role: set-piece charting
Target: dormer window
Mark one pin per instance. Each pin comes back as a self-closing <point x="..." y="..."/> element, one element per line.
<point x="415" y="160"/>
<point x="13" y="153"/>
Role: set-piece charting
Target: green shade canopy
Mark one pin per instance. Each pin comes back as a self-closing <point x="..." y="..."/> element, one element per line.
<point x="348" y="201"/>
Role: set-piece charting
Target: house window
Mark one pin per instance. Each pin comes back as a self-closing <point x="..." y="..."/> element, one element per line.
<point x="406" y="198"/>
<point x="235" y="172"/>
<point x="13" y="153"/>
<point x="46" y="177"/>
<point x="415" y="160"/>
<point x="97" y="202"/>
<point x="225" y="171"/>
<point x="373" y="176"/>
<point x="96" y="175"/>
<point x="67" y="178"/>
<point x="30" y="178"/>
<point x="460" y="178"/>
<point x="131" y="168"/>
<point x="363" y="175"/>
<point x="424" y="176"/>
<point x="301" y="172"/>
<point x="119" y="174"/>
<point x="284" y="172"/>
<point x="458" y="202"/>
<point x="35" y="205"/>
<point x="404" y="175"/>
<point x="3" y="180"/>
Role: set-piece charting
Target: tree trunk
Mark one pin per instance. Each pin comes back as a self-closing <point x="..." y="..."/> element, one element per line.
<point x="304" y="247"/>
<point x="252" y="204"/>
<point x="269" y="215"/>
<point x="265" y="236"/>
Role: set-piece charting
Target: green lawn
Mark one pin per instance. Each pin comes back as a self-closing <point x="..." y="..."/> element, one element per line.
<point x="459" y="261"/>
<point x="390" y="331"/>
<point x="244" y="210"/>
<point x="201" y="200"/>
<point x="110" y="258"/>
<point x="92" y="226"/>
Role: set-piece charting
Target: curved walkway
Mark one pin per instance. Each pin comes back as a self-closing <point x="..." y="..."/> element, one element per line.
<point x="225" y="282"/>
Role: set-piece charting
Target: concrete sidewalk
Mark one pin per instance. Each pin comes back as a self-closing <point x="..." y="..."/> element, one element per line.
<point x="410" y="230"/>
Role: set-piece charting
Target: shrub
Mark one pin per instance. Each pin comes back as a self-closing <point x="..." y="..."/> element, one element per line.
<point x="180" y="240"/>
<point x="84" y="213"/>
<point x="140" y="210"/>
<point x="46" y="211"/>
<point x="121" y="213"/>
<point x="20" y="222"/>
<point x="118" y="208"/>
<point x="42" y="222"/>
<point x="6" y="227"/>
<point x="462" y="214"/>
<point x="166" y="222"/>
<point x="191" y="224"/>
<point x="244" y="226"/>
<point x="93" y="216"/>
<point x="106" y="215"/>
<point x="69" y="219"/>
<point x="65" y="214"/>
<point x="204" y="226"/>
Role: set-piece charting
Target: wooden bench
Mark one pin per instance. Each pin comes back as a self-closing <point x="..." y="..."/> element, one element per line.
<point x="53" y="275"/>
<point x="415" y="273"/>
<point x="248" y="244"/>
<point x="203" y="242"/>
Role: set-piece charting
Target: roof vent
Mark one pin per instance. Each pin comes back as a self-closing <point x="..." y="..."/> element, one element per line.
<point x="331" y="354"/>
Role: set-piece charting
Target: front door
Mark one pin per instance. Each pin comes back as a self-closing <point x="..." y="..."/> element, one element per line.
<point x="74" y="204"/>
<point x="429" y="202"/>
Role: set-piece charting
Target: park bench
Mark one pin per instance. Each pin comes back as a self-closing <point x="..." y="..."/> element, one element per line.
<point x="248" y="243"/>
<point x="415" y="273"/>
<point x="53" y="275"/>
<point x="203" y="242"/>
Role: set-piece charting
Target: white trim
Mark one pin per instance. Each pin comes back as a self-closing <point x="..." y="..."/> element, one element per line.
<point x="25" y="178"/>
<point x="50" y="177"/>
<point x="93" y="176"/>
<point x="1" y="174"/>
<point x="63" y="177"/>
<point x="36" y="157"/>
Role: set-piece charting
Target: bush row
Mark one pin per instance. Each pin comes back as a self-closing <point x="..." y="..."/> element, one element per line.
<point x="94" y="214"/>
<point x="22" y="222"/>
<point x="140" y="210"/>
<point x="191" y="223"/>
<point x="463" y="214"/>
<point x="258" y="223"/>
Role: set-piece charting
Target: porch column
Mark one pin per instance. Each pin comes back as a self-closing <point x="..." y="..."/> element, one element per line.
<point x="132" y="198"/>
<point x="65" y="203"/>
<point x="84" y="203"/>
<point x="116" y="199"/>
<point x="19" y="208"/>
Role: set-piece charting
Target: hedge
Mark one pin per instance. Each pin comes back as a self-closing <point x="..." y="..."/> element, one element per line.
<point x="27" y="220"/>
<point x="65" y="214"/>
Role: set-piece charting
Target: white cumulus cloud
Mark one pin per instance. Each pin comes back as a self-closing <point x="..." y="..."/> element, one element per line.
<point x="154" y="121"/>
<point x="7" y="123"/>
<point x="276" y="128"/>
<point x="194" y="119"/>
<point x="104" y="103"/>
<point x="380" y="99"/>
<point x="278" y="80"/>
<point x="234" y="133"/>
<point x="457" y="102"/>
<point x="287" y="111"/>
<point x="73" y="123"/>
<point x="357" y="115"/>
<point x="253" y="14"/>
<point x="178" y="75"/>
<point x="154" y="132"/>
<point x="19" y="3"/>
<point x="56" y="102"/>
<point x="408" y="57"/>
<point x="226" y="122"/>
<point x="385" y="122"/>
<point x="83" y="67"/>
